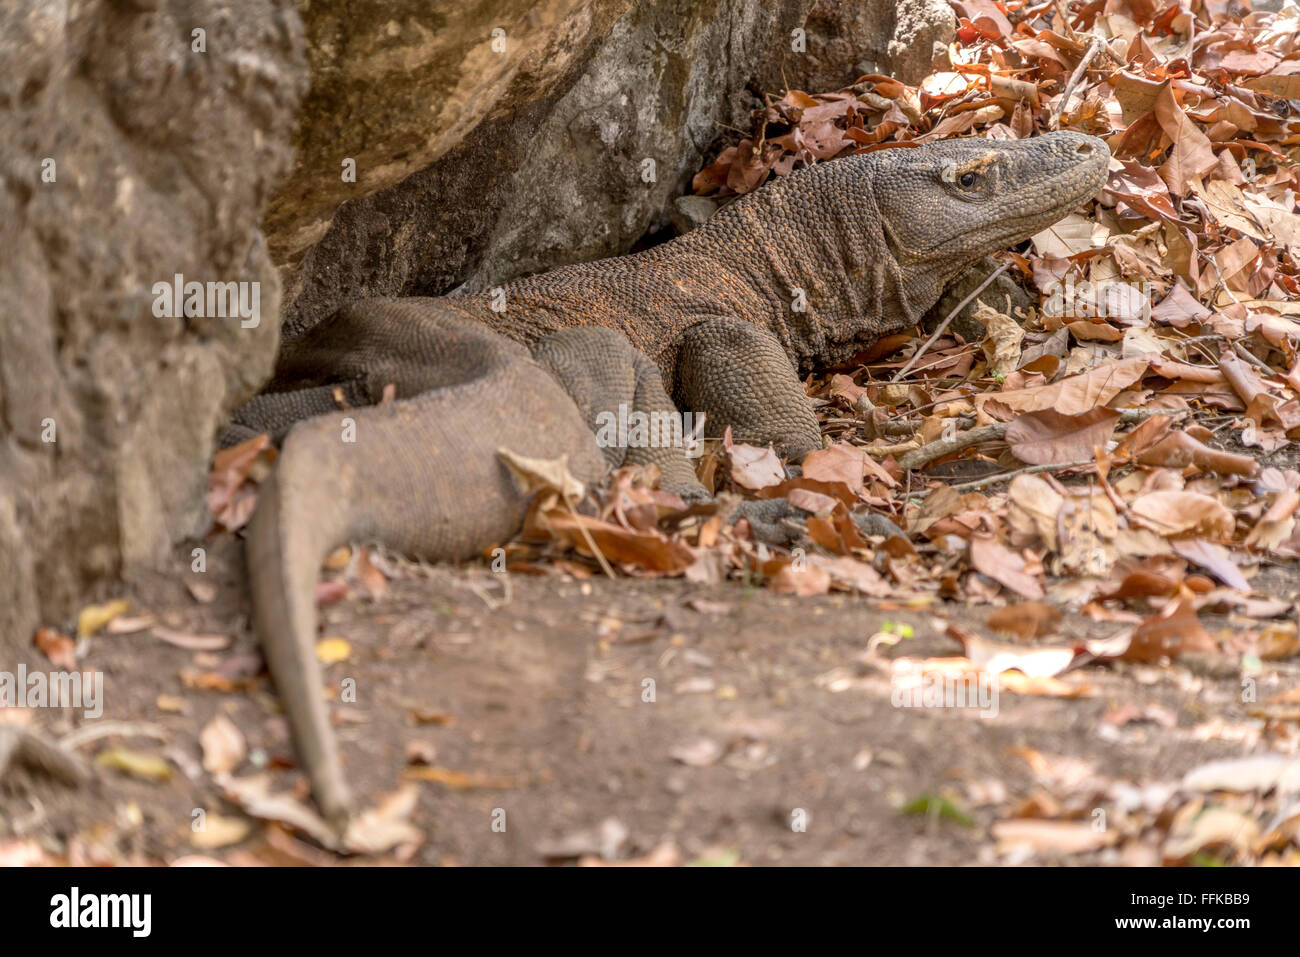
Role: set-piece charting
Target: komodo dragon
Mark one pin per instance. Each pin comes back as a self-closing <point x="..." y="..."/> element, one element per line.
<point x="805" y="271"/>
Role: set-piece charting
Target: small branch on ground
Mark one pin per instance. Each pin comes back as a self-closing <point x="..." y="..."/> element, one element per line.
<point x="1094" y="48"/>
<point x="943" y="326"/>
<point x="32" y="750"/>
<point x="919" y="458"/>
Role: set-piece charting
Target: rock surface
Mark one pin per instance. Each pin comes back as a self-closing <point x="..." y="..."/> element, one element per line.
<point x="488" y="141"/>
<point x="129" y="157"/>
<point x="570" y="144"/>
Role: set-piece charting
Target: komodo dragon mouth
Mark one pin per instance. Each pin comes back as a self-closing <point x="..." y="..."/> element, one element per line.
<point x="715" y="322"/>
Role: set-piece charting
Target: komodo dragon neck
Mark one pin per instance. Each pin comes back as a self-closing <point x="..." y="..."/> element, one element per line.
<point x="828" y="259"/>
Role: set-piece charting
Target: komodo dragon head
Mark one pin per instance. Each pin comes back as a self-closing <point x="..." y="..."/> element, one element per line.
<point x="874" y="238"/>
<point x="952" y="202"/>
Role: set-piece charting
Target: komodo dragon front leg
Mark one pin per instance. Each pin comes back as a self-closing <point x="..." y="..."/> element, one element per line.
<point x="423" y="476"/>
<point x="738" y="374"/>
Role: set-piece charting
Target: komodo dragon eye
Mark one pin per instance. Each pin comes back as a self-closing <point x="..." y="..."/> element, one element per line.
<point x="967" y="180"/>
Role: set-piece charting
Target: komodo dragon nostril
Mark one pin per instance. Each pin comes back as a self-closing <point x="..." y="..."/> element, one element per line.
<point x="1084" y="149"/>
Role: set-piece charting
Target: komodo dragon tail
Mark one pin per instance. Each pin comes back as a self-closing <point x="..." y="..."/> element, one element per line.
<point x="422" y="475"/>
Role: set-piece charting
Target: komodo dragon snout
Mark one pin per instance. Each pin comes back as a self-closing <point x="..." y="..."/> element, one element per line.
<point x="963" y="197"/>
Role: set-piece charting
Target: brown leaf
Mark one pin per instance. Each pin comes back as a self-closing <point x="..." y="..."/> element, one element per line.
<point x="191" y="642"/>
<point x="1171" y="631"/>
<point x="849" y="573"/>
<point x="460" y="780"/>
<point x="804" y="581"/>
<point x="990" y="557"/>
<point x="1176" y="513"/>
<point x="753" y="467"/>
<point x="224" y="748"/>
<point x="1048" y="436"/>
<point x="1192" y="153"/>
<point x="1179" y="450"/>
<point x="230" y="502"/>
<point x="1052" y="837"/>
<point x="1073" y="395"/>
<point x="649" y="550"/>
<point x="58" y="647"/>
<point x="371" y="578"/>
<point x="1026" y="619"/>
<point x="839" y="463"/>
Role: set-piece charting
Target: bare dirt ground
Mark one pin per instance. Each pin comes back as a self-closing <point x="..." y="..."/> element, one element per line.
<point x="771" y="738"/>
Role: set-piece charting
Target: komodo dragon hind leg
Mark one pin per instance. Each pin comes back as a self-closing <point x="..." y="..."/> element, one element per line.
<point x="602" y="372"/>
<point x="738" y="375"/>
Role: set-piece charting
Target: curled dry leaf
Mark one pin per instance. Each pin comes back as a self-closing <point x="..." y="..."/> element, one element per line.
<point x="1183" y="513"/>
<point x="1052" y="837"/>
<point x="1173" y="630"/>
<point x="224" y="748"/>
<point x="650" y="550"/>
<point x="1073" y="395"/>
<point x="58" y="647"/>
<point x="219" y="831"/>
<point x="990" y="557"/>
<point x="1033" y="508"/>
<point x="1026" y="619"/>
<point x="1003" y="336"/>
<point x="841" y="463"/>
<point x="1179" y="450"/>
<point x="94" y="617"/>
<point x="386" y="826"/>
<point x="137" y="764"/>
<point x="753" y="467"/>
<point x="545" y="475"/>
<point x="231" y="497"/>
<point x="191" y="642"/>
<point x="805" y="580"/>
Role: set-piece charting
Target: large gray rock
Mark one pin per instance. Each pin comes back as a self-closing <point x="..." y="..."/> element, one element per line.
<point x="479" y="156"/>
<point x="846" y="39"/>
<point x="474" y="167"/>
<point x="567" y="146"/>
<point x="128" y="157"/>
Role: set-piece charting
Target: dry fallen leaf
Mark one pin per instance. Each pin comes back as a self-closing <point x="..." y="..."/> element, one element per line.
<point x="330" y="651"/>
<point x="224" y="748"/>
<point x="94" y="617"/>
<point x="135" y="763"/>
<point x="58" y="647"/>
<point x="1048" y="436"/>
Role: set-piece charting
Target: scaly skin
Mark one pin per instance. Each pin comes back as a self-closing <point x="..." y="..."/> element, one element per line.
<point x="865" y="243"/>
